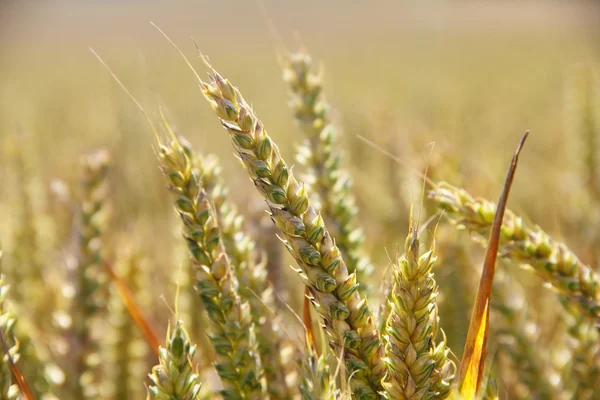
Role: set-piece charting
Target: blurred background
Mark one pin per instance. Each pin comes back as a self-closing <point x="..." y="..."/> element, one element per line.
<point x="469" y="76"/>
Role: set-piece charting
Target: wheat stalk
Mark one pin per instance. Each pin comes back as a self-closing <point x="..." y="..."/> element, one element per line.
<point x="174" y="377"/>
<point x="417" y="365"/>
<point x="238" y="362"/>
<point x="345" y="315"/>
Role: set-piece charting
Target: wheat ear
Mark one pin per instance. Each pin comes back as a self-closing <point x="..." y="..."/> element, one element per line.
<point x="515" y="335"/>
<point x="127" y="346"/>
<point x="250" y="272"/>
<point x="346" y="316"/>
<point x="327" y="182"/>
<point x="174" y="378"/>
<point x="91" y="282"/>
<point x="418" y="366"/>
<point x="233" y="338"/>
<point x="527" y="245"/>
<point x="582" y="374"/>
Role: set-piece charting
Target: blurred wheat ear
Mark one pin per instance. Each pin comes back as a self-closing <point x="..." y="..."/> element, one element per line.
<point x="325" y="179"/>
<point x="345" y="315"/>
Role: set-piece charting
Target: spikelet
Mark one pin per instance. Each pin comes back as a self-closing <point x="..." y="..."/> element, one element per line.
<point x="8" y="389"/>
<point x="418" y="367"/>
<point x="527" y="245"/>
<point x="174" y="378"/>
<point x="326" y="180"/>
<point x="346" y="316"/>
<point x="232" y="336"/>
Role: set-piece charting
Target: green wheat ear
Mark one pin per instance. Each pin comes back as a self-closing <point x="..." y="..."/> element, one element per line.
<point x="174" y="377"/>
<point x="527" y="245"/>
<point x="251" y="274"/>
<point x="345" y="314"/>
<point x="231" y="327"/>
<point x="417" y="363"/>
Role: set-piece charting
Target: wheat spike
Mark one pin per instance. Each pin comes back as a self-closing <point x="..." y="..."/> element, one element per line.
<point x="327" y="182"/>
<point x="174" y="377"/>
<point x="418" y="365"/>
<point x="91" y="281"/>
<point x="232" y="336"/>
<point x="250" y="272"/>
<point x="527" y="245"/>
<point x="346" y="316"/>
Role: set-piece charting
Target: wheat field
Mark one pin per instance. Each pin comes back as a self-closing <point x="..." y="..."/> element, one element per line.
<point x="306" y="212"/>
